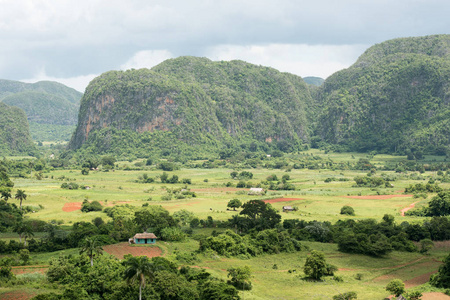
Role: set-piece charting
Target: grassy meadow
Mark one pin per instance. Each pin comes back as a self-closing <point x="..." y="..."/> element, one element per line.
<point x="274" y="276"/>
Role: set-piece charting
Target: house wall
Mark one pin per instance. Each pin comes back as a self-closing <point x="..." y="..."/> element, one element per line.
<point x="142" y="241"/>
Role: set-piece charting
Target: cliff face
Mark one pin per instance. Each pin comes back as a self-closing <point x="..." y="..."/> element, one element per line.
<point x="198" y="101"/>
<point x="395" y="97"/>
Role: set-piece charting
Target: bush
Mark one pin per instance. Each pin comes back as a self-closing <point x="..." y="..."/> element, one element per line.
<point x="345" y="296"/>
<point x="172" y="234"/>
<point x="396" y="287"/>
<point x="347" y="210"/>
<point x="91" y="206"/>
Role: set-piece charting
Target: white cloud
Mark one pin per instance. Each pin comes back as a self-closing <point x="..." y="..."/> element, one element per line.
<point x="303" y="60"/>
<point x="146" y="59"/>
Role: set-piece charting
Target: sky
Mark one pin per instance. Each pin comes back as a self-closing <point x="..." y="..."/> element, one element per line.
<point x="73" y="41"/>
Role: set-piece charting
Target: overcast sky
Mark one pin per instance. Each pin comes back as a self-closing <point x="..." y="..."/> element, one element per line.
<point x="72" y="41"/>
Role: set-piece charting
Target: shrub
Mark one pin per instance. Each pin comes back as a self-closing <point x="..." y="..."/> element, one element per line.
<point x="345" y="296"/>
<point x="396" y="287"/>
<point x="91" y="206"/>
<point x="347" y="210"/>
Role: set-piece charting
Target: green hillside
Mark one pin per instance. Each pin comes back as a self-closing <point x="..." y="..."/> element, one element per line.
<point x="395" y="98"/>
<point x="14" y="133"/>
<point x="44" y="108"/>
<point x="317" y="81"/>
<point x="51" y="107"/>
<point x="194" y="103"/>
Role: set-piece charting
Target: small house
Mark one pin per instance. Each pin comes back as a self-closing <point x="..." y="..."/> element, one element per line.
<point x="143" y="238"/>
<point x="256" y="191"/>
<point x="288" y="208"/>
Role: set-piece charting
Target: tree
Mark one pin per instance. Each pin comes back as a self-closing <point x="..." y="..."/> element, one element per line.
<point x="426" y="245"/>
<point x="442" y="278"/>
<point x="5" y="193"/>
<point x="23" y="230"/>
<point x="315" y="266"/>
<point x="234" y="203"/>
<point x="154" y="217"/>
<point x="347" y="210"/>
<point x="260" y="215"/>
<point x="91" y="247"/>
<point x="396" y="287"/>
<point x="439" y="205"/>
<point x="20" y="195"/>
<point x="137" y="268"/>
<point x="240" y="277"/>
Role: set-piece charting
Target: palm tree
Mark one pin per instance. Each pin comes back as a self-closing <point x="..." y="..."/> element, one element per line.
<point x="137" y="269"/>
<point x="20" y="195"/>
<point x="91" y="247"/>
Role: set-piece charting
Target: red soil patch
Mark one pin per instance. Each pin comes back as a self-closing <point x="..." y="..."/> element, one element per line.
<point x="281" y="200"/>
<point x="435" y="296"/>
<point x="418" y="280"/>
<point x="121" y="249"/>
<point x="17" y="295"/>
<point x="17" y="270"/>
<point x="377" y="197"/>
<point x="72" y="206"/>
<point x="408" y="208"/>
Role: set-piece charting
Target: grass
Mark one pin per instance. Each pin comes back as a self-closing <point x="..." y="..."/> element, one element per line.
<point x="318" y="201"/>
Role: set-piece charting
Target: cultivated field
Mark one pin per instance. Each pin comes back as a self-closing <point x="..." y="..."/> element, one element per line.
<point x="314" y="198"/>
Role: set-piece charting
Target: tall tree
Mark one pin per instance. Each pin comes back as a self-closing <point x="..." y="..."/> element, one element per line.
<point x="20" y="195"/>
<point x="91" y="247"/>
<point x="137" y="269"/>
<point x="315" y="265"/>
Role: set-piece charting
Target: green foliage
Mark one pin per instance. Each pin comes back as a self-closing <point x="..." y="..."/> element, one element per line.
<point x="197" y="103"/>
<point x="398" y="86"/>
<point x="15" y="136"/>
<point x="442" y="278"/>
<point x="347" y="210"/>
<point x="240" y="277"/>
<point x="346" y="296"/>
<point x="87" y="206"/>
<point x="172" y="234"/>
<point x="396" y="287"/>
<point x="234" y="203"/>
<point x="154" y="219"/>
<point x="315" y="265"/>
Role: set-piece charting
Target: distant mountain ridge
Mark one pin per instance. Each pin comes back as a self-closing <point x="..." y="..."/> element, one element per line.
<point x="49" y="106"/>
<point x="44" y="102"/>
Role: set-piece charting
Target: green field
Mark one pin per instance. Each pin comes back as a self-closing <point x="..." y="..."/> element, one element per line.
<point x="316" y="200"/>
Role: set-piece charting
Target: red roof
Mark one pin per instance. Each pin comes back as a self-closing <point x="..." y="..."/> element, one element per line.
<point x="145" y="235"/>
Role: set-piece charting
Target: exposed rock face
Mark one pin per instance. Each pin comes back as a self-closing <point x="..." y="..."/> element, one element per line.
<point x="198" y="100"/>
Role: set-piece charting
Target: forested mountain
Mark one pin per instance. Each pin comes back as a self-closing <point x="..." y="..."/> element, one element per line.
<point x="49" y="106"/>
<point x="317" y="81"/>
<point x="14" y="133"/>
<point x="395" y="98"/>
<point x="195" y="103"/>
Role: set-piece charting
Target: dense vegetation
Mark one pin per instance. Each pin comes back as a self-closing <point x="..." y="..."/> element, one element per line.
<point x="395" y="98"/>
<point x="14" y="132"/>
<point x="194" y="104"/>
<point x="51" y="108"/>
